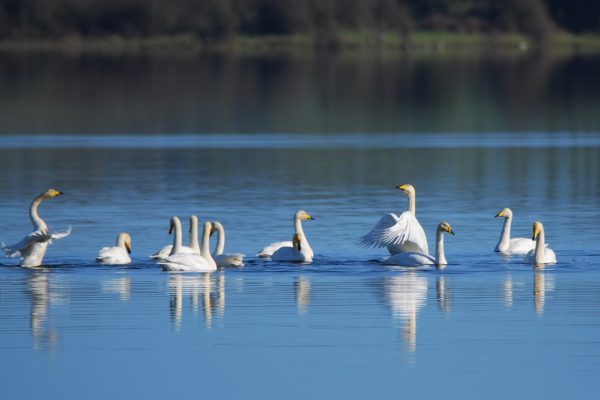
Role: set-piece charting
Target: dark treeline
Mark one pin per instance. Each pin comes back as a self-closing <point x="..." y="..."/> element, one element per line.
<point x="218" y="19"/>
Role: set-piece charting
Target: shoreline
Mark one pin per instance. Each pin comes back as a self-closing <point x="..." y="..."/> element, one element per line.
<point x="392" y="42"/>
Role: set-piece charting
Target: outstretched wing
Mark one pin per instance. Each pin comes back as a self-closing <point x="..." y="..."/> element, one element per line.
<point x="39" y="236"/>
<point x="55" y="235"/>
<point x="268" y="251"/>
<point x="399" y="233"/>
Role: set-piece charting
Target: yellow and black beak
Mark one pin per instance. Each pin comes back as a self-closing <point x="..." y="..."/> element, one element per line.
<point x="401" y="187"/>
<point x="128" y="246"/>
<point x="536" y="232"/>
<point x="308" y="216"/>
<point x="171" y="227"/>
<point x="500" y="214"/>
<point x="450" y="231"/>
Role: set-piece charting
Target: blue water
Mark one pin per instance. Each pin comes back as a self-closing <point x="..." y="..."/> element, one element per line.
<point x="345" y="326"/>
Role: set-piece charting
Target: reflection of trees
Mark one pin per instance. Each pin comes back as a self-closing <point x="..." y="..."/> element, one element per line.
<point x="302" y="291"/>
<point x="197" y="288"/>
<point x="406" y="294"/>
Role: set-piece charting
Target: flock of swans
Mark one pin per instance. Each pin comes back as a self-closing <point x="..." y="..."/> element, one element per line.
<point x="402" y="235"/>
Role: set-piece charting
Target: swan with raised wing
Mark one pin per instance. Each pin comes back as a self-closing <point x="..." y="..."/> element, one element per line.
<point x="541" y="254"/>
<point x="222" y="259"/>
<point x="399" y="233"/>
<point x="509" y="245"/>
<point x="413" y="259"/>
<point x="32" y="248"/>
<point x="180" y="261"/>
<point x="300" y="216"/>
<point x="116" y="255"/>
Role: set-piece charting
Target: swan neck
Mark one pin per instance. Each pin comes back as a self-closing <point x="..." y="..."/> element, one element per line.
<point x="304" y="245"/>
<point x="220" y="247"/>
<point x="440" y="257"/>
<point x="412" y="203"/>
<point x="176" y="237"/>
<point x="36" y="220"/>
<point x="121" y="241"/>
<point x="540" y="245"/>
<point x="205" y="249"/>
<point x="504" y="242"/>
<point x="194" y="236"/>
<point x="298" y="226"/>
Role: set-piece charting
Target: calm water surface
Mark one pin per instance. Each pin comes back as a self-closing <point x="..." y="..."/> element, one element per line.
<point x="345" y="326"/>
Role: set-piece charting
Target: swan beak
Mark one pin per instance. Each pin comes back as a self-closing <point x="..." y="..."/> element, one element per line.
<point x="500" y="214"/>
<point x="536" y="232"/>
<point x="128" y="246"/>
<point x="171" y="227"/>
<point x="450" y="231"/>
<point x="308" y="216"/>
<point x="401" y="187"/>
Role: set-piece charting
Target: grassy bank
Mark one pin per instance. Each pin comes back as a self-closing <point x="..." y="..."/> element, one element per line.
<point x="426" y="42"/>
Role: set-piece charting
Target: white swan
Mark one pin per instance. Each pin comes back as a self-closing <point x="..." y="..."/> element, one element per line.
<point x="166" y="250"/>
<point x="541" y="254"/>
<point x="296" y="253"/>
<point x="204" y="249"/>
<point x="225" y="260"/>
<point x="399" y="233"/>
<point x="117" y="255"/>
<point x="412" y="259"/>
<point x="179" y="261"/>
<point x="506" y="244"/>
<point x="273" y="247"/>
<point x="33" y="246"/>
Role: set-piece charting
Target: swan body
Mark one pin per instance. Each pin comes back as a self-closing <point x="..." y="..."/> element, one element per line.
<point x="117" y="255"/>
<point x="399" y="233"/>
<point x="166" y="250"/>
<point x="180" y="261"/>
<point x="273" y="248"/>
<point x="414" y="259"/>
<point x="296" y="253"/>
<point x="225" y="260"/>
<point x="541" y="254"/>
<point x="32" y="248"/>
<point x="509" y="245"/>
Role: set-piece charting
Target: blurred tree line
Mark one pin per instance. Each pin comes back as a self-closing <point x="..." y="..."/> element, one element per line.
<point x="220" y="19"/>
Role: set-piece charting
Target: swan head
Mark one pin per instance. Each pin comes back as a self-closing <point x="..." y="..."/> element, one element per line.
<point x="124" y="239"/>
<point x="303" y="215"/>
<point x="537" y="229"/>
<point x="193" y="223"/>
<point x="51" y="193"/>
<point x="505" y="213"/>
<point x="210" y="228"/>
<point x="407" y="189"/>
<point x="217" y="226"/>
<point x="445" y="227"/>
<point x="173" y="222"/>
<point x="296" y="241"/>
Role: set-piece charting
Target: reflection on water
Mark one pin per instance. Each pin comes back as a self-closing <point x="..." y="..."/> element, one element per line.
<point x="198" y="288"/>
<point x="42" y="295"/>
<point x="543" y="282"/>
<point x="121" y="286"/>
<point x="302" y="291"/>
<point x="508" y="290"/>
<point x="444" y="294"/>
<point x="406" y="294"/>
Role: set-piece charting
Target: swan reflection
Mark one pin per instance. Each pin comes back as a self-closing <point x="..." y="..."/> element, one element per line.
<point x="199" y="288"/>
<point x="302" y="291"/>
<point x="542" y="283"/>
<point x="406" y="294"/>
<point x="507" y="287"/>
<point x="444" y="294"/>
<point x="120" y="286"/>
<point x="42" y="292"/>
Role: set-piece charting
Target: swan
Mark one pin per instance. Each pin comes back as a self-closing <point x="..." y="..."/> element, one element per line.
<point x="180" y="261"/>
<point x="295" y="253"/>
<point x="32" y="247"/>
<point x="166" y="250"/>
<point x="117" y="255"/>
<point x="225" y="260"/>
<point x="273" y="247"/>
<point x="399" y="233"/>
<point x="515" y="245"/>
<point x="413" y="259"/>
<point x="541" y="254"/>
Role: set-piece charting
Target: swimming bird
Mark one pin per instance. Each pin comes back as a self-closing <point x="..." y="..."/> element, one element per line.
<point x="32" y="247"/>
<point x="273" y="247"/>
<point x="295" y="253"/>
<point x="399" y="233"/>
<point x="541" y="254"/>
<point x="413" y="259"/>
<point x="180" y="261"/>
<point x="225" y="260"/>
<point x="117" y="255"/>
<point x="166" y="250"/>
<point x="519" y="245"/>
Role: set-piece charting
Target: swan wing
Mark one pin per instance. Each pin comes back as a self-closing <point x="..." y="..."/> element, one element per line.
<point x="409" y="259"/>
<point x="229" y="260"/>
<point x="166" y="251"/>
<point x="521" y="245"/>
<point x="267" y="251"/>
<point x="290" y="254"/>
<point x="113" y="256"/>
<point x="38" y="236"/>
<point x="186" y="262"/>
<point x="402" y="233"/>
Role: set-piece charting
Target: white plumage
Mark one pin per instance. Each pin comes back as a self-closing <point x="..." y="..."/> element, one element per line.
<point x="179" y="261"/>
<point x="116" y="255"/>
<point x="541" y="254"/>
<point x="225" y="260"/>
<point x="286" y="247"/>
<point x="509" y="245"/>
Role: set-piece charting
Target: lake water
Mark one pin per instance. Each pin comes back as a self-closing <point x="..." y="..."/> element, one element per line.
<point x="345" y="326"/>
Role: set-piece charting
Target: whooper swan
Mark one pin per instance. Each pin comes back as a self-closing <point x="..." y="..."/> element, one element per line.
<point x="166" y="250"/>
<point x="515" y="245"/>
<point x="296" y="253"/>
<point x="412" y="259"/>
<point x="179" y="261"/>
<point x="541" y="254"/>
<point x="117" y="255"/>
<point x="399" y="233"/>
<point x="225" y="260"/>
<point x="273" y="247"/>
<point x="33" y="246"/>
